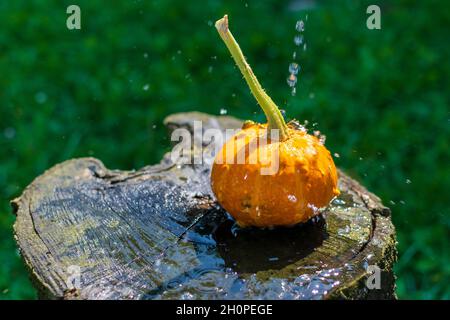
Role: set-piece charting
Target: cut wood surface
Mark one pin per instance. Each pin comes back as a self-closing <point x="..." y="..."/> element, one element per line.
<point x="87" y="232"/>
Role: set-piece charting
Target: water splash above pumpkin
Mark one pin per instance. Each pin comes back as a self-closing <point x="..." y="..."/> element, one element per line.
<point x="294" y="67"/>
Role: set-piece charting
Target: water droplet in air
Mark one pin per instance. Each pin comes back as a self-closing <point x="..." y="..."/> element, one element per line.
<point x="210" y="23"/>
<point x="322" y="138"/>
<point x="408" y="181"/>
<point x="223" y="111"/>
<point x="40" y="97"/>
<point x="146" y="55"/>
<point x="336" y="155"/>
<point x="9" y="133"/>
<point x="300" y="26"/>
<point x="298" y="40"/>
<point x="145" y="87"/>
<point x="294" y="68"/>
<point x="292" y="80"/>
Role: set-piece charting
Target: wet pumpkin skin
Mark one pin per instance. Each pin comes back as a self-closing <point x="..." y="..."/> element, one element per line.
<point x="303" y="176"/>
<point x="306" y="179"/>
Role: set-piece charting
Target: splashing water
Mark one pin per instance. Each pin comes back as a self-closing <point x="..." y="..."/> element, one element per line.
<point x="298" y="40"/>
<point x="292" y="80"/>
<point x="294" y="67"/>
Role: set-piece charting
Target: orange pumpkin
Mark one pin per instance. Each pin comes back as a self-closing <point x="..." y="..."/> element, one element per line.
<point x="303" y="179"/>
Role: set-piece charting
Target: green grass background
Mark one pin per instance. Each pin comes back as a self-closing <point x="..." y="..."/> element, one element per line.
<point x="381" y="97"/>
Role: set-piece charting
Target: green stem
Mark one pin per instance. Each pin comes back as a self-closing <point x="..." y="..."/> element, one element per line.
<point x="274" y="117"/>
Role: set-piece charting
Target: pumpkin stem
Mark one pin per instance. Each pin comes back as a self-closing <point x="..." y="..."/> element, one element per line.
<point x="274" y="117"/>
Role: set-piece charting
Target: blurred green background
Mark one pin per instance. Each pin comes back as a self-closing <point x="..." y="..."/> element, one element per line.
<point x="380" y="96"/>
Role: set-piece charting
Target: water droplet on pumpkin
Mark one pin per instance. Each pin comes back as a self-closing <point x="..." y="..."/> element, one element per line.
<point x="313" y="207"/>
<point x="9" y="133"/>
<point x="292" y="198"/>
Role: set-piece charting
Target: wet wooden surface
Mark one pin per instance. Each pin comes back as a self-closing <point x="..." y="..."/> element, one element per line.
<point x="87" y="232"/>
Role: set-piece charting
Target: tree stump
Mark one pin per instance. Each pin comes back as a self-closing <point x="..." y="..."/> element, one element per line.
<point x="86" y="232"/>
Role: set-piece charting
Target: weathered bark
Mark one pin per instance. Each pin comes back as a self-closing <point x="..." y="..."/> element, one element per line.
<point x="158" y="233"/>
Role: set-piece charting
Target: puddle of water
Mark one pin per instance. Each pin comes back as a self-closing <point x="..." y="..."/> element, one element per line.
<point x="252" y="250"/>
